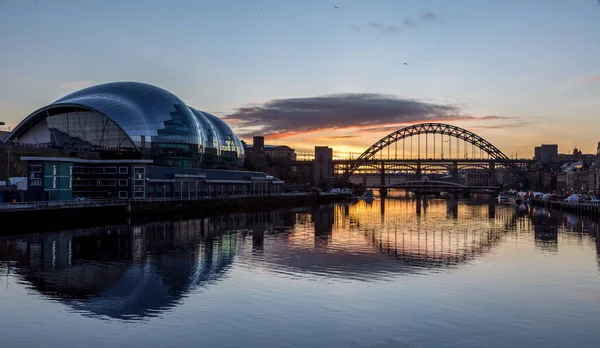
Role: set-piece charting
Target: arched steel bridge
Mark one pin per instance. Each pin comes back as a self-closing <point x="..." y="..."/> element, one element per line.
<point x="492" y="151"/>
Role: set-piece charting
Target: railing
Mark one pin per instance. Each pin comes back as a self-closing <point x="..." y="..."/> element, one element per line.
<point x="127" y="201"/>
<point x="567" y="203"/>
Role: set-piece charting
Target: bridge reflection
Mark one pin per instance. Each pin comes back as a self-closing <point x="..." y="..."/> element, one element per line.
<point x="132" y="272"/>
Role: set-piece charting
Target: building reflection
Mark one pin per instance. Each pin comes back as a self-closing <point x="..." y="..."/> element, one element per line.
<point x="323" y="218"/>
<point x="131" y="272"/>
<point x="545" y="228"/>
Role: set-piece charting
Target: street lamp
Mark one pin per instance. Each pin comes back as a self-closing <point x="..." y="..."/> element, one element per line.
<point x="196" y="189"/>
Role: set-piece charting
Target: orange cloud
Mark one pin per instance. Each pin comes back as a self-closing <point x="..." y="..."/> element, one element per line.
<point x="339" y="137"/>
<point x="592" y="79"/>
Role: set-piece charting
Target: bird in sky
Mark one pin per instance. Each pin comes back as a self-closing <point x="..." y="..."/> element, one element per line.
<point x="336" y="7"/>
<point x="405" y="63"/>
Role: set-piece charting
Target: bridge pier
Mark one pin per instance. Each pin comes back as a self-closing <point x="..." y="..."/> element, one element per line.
<point x="383" y="192"/>
<point x="455" y="172"/>
<point x="419" y="172"/>
<point x="492" y="175"/>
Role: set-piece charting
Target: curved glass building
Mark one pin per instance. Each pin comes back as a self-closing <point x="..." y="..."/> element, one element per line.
<point x="136" y="118"/>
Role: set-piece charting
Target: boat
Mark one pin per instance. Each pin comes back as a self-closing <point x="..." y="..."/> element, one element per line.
<point x="368" y="195"/>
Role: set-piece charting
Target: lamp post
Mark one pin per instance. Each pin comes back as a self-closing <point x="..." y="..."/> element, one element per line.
<point x="164" y="193"/>
<point x="196" y="189"/>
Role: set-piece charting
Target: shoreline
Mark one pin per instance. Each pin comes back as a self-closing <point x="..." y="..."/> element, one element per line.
<point x="20" y="221"/>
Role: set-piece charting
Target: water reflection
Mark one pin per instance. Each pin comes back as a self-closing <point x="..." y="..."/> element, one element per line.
<point x="139" y="271"/>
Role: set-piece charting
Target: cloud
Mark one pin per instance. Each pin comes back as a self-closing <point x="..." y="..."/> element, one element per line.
<point x="592" y="79"/>
<point x="406" y="23"/>
<point x="340" y="137"/>
<point x="431" y="17"/>
<point x="500" y="126"/>
<point x="355" y="28"/>
<point x="281" y="118"/>
<point x="385" y="28"/>
<point x="75" y="85"/>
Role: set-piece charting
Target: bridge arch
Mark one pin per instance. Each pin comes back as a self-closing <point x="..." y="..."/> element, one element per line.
<point x="443" y="129"/>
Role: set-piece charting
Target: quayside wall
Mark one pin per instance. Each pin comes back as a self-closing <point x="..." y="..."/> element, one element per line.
<point x="16" y="218"/>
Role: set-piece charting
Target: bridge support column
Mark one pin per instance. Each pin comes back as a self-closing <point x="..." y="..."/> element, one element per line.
<point x="455" y="172"/>
<point x="383" y="190"/>
<point x="419" y="172"/>
<point x="492" y="177"/>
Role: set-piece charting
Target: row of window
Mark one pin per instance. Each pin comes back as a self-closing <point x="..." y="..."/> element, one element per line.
<point x="100" y="170"/>
<point x="92" y="194"/>
<point x="100" y="182"/>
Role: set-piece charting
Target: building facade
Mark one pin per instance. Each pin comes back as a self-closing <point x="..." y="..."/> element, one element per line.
<point x="136" y="121"/>
<point x="133" y="140"/>
<point x="280" y="151"/>
<point x="323" y="164"/>
<point x="546" y="153"/>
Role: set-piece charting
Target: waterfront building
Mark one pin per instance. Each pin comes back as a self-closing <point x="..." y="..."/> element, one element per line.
<point x="134" y="120"/>
<point x="546" y="153"/>
<point x="323" y="164"/>
<point x="274" y="151"/>
<point x="133" y="140"/>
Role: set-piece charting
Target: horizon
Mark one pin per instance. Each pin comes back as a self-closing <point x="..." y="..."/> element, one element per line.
<point x="515" y="73"/>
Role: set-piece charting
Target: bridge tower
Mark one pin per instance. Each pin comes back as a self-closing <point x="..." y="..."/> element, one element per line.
<point x="455" y="172"/>
<point x="492" y="175"/>
<point x="382" y="190"/>
<point x="419" y="172"/>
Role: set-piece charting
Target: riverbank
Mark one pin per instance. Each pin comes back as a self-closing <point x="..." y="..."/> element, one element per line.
<point x="53" y="216"/>
<point x="580" y="208"/>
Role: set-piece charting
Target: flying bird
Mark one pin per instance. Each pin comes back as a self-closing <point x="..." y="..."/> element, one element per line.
<point x="405" y="63"/>
<point x="336" y="7"/>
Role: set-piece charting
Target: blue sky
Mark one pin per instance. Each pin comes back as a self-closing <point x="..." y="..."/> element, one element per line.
<point x="534" y="62"/>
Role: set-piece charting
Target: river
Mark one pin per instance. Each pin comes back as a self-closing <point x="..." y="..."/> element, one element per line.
<point x="387" y="273"/>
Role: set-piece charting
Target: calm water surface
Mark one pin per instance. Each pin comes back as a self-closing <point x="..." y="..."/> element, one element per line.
<point x="393" y="273"/>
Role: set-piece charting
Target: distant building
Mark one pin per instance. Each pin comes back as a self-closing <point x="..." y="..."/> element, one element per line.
<point x="546" y="153"/>
<point x="258" y="143"/>
<point x="273" y="151"/>
<point x="280" y="151"/>
<point x="323" y="164"/>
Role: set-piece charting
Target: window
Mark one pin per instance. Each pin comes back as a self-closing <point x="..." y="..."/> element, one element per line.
<point x="35" y="182"/>
<point x="123" y="170"/>
<point x="111" y="170"/>
<point x="123" y="194"/>
<point x="123" y="182"/>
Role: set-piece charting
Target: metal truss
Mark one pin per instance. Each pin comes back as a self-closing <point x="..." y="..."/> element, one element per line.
<point x="443" y="129"/>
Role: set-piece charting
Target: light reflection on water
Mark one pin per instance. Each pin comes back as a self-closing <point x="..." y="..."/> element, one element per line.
<point x="392" y="273"/>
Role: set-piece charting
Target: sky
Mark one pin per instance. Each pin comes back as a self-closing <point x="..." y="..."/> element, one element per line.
<point x="303" y="73"/>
